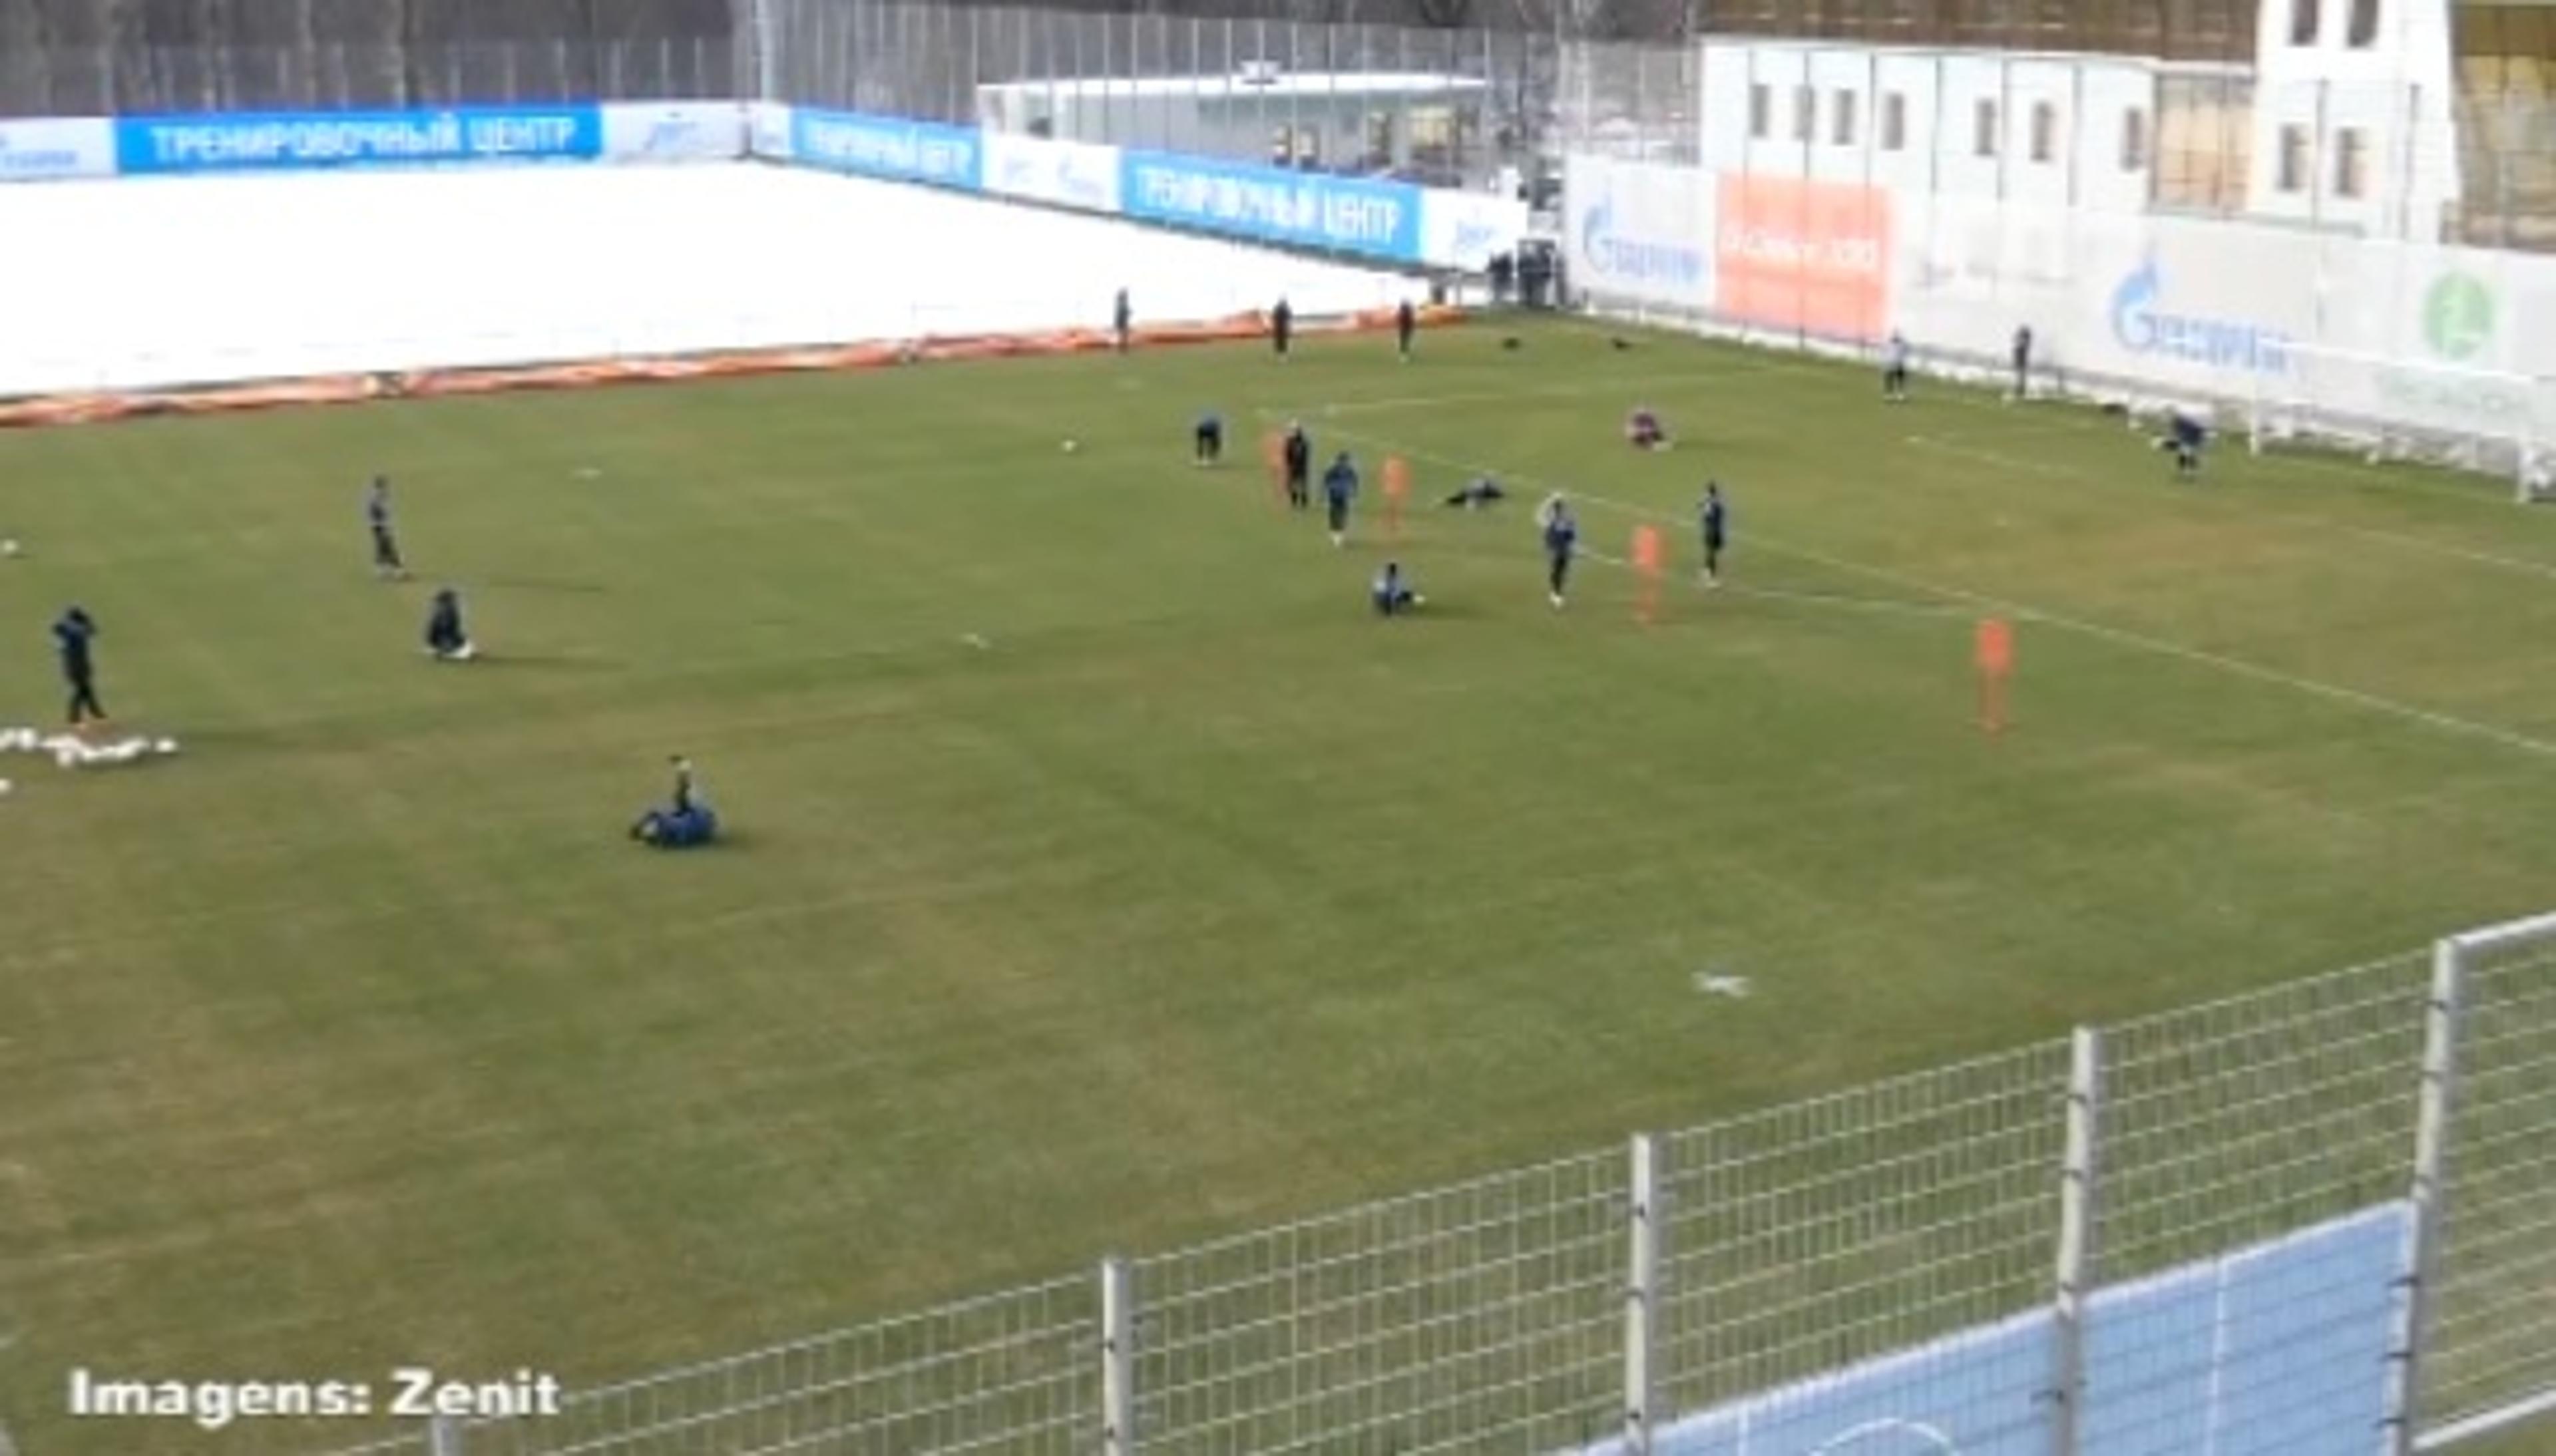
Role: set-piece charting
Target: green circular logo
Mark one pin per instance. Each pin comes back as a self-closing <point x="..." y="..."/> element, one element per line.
<point x="2458" y="316"/>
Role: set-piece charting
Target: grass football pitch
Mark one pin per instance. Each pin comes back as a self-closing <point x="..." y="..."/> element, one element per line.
<point x="1102" y="874"/>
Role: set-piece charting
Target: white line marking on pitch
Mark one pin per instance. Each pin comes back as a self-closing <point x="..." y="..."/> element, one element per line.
<point x="2024" y="611"/>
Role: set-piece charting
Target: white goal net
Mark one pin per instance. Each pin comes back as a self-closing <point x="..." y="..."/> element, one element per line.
<point x="2484" y="420"/>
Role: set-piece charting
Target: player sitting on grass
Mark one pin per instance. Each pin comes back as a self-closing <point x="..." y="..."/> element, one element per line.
<point x="445" y="642"/>
<point x="1642" y="429"/>
<point x="2185" y="435"/>
<point x="685" y="821"/>
<point x="1392" y="592"/>
<point x="1481" y="493"/>
<point x="1206" y="442"/>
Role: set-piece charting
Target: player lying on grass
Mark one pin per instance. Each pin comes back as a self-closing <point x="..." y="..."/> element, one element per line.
<point x="1477" y="494"/>
<point x="2184" y="437"/>
<point x="445" y="641"/>
<point x="1392" y="593"/>
<point x="1643" y="430"/>
<point x="686" y="820"/>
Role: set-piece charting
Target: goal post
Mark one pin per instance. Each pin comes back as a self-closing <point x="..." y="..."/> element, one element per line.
<point x="2491" y="421"/>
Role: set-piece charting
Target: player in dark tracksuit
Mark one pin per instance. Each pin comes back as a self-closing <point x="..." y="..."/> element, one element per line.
<point x="1122" y="319"/>
<point x="1561" y="541"/>
<point x="1406" y="320"/>
<point x="1298" y="452"/>
<point x="1282" y="328"/>
<point x="1206" y="442"/>
<point x="1713" y="514"/>
<point x="445" y="638"/>
<point x="2023" y="361"/>
<point x="2185" y="435"/>
<point x="1340" y="487"/>
<point x="377" y="515"/>
<point x="73" y="633"/>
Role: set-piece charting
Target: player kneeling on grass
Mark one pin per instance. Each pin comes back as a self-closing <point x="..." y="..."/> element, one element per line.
<point x="685" y="821"/>
<point x="2185" y="435"/>
<point x="445" y="642"/>
<point x="1392" y="591"/>
<point x="1643" y="430"/>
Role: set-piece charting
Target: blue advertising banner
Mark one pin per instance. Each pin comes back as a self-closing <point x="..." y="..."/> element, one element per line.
<point x="147" y="146"/>
<point x="1296" y="209"/>
<point x="889" y="147"/>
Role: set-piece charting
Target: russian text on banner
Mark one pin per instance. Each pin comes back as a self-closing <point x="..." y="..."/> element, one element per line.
<point x="53" y="148"/>
<point x="889" y="147"/>
<point x="1295" y="209"/>
<point x="270" y="142"/>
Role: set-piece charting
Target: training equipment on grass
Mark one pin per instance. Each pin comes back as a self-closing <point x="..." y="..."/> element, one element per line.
<point x="1397" y="489"/>
<point x="1649" y="555"/>
<point x="70" y="751"/>
<point x="1993" y="656"/>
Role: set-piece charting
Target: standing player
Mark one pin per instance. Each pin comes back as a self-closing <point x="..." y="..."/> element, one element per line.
<point x="73" y="633"/>
<point x="1206" y="441"/>
<point x="1297" y="459"/>
<point x="1340" y="487"/>
<point x="377" y="513"/>
<point x="1282" y="328"/>
<point x="1406" y="320"/>
<point x="1122" y="319"/>
<point x="1713" y="514"/>
<point x="1561" y="541"/>
<point x="2024" y="362"/>
<point x="1894" y="369"/>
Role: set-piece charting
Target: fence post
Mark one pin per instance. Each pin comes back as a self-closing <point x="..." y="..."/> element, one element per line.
<point x="443" y="1438"/>
<point x="1118" y="1359"/>
<point x="2430" y="1191"/>
<point x="1648" y="1224"/>
<point x="2078" y="1182"/>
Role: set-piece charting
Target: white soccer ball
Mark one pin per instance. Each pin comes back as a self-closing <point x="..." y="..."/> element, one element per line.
<point x="165" y="746"/>
<point x="1073" y="445"/>
<point x="5" y="785"/>
<point x="8" y="548"/>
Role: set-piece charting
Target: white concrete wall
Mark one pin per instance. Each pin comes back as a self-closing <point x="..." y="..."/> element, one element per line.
<point x="2088" y="101"/>
<point x="191" y="281"/>
<point x="2395" y="94"/>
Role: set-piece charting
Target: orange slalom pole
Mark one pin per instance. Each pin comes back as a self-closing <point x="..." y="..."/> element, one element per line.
<point x="1648" y="561"/>
<point x="1273" y="456"/>
<point x="1993" y="653"/>
<point x="1397" y="488"/>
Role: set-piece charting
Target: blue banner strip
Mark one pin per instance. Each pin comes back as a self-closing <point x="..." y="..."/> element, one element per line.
<point x="890" y="147"/>
<point x="1266" y="204"/>
<point x="147" y="146"/>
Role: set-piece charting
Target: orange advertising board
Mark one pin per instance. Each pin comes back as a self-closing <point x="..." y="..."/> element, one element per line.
<point x="1811" y="257"/>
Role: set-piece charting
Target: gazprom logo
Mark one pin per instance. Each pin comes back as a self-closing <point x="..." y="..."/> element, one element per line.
<point x="674" y="135"/>
<point x="1080" y="188"/>
<point x="2144" y="325"/>
<point x="1637" y="260"/>
<point x="36" y="161"/>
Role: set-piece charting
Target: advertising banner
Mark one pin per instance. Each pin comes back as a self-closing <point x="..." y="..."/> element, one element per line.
<point x="1265" y="205"/>
<point x="1967" y="272"/>
<point x="2193" y="304"/>
<point x="1640" y="232"/>
<point x="1463" y="230"/>
<point x="273" y="141"/>
<point x="674" y="131"/>
<point x="1073" y="175"/>
<point x="889" y="147"/>
<point x="770" y="128"/>
<point x="52" y="148"/>
<point x="1803" y="256"/>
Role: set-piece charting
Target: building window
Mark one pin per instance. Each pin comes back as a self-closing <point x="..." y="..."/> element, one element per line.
<point x="2045" y="131"/>
<point x="2364" y="25"/>
<point x="2350" y="163"/>
<point x="2304" y="18"/>
<point x="2293" y="176"/>
<point x="1841" y="119"/>
<point x="2135" y="140"/>
<point x="1761" y="105"/>
<point x="1983" y="129"/>
<point x="1806" y="105"/>
<point x="1894" y="122"/>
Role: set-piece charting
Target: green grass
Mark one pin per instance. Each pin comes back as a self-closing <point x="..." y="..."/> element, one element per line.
<point x="1196" y="897"/>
